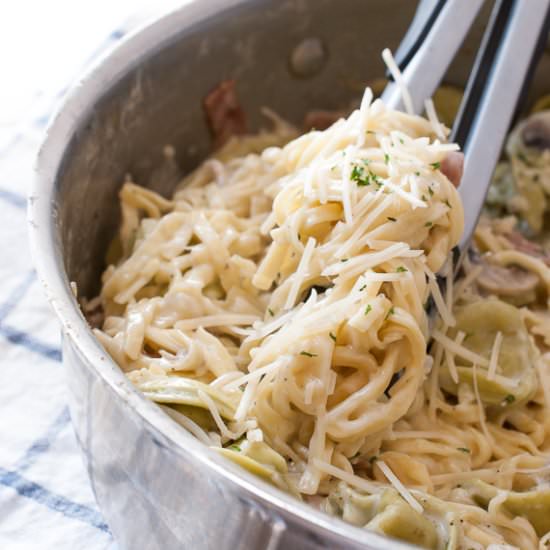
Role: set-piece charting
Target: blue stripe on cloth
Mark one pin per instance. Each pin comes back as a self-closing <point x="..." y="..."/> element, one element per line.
<point x="42" y="444"/>
<point x="24" y="339"/>
<point x="16" y="295"/>
<point x="58" y="503"/>
<point x="19" y="201"/>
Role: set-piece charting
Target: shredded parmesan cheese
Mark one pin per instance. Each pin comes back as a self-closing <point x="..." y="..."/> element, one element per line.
<point x="399" y="487"/>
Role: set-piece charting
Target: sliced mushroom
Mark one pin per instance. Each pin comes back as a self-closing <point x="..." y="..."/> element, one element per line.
<point x="526" y="246"/>
<point x="511" y="281"/>
<point x="453" y="166"/>
<point x="530" y="137"/>
<point x="536" y="131"/>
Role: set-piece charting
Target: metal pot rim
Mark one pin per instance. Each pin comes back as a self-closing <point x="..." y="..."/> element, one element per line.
<point x="70" y="116"/>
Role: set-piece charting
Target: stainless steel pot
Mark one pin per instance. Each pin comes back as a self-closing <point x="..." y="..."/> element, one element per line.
<point x="156" y="485"/>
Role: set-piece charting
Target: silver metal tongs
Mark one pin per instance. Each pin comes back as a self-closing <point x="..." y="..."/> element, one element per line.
<point x="512" y="43"/>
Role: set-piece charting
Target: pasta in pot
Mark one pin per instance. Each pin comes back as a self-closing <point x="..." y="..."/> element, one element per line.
<point x="276" y="307"/>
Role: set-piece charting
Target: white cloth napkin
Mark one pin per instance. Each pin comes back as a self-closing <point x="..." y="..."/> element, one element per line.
<point x="45" y="496"/>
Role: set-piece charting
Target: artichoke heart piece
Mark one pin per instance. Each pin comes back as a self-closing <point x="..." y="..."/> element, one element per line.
<point x="388" y="514"/>
<point x="516" y="378"/>
<point x="534" y="505"/>
<point x="400" y="521"/>
<point x="185" y="391"/>
<point x="259" y="459"/>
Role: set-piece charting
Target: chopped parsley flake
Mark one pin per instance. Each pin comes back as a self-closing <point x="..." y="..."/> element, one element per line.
<point x="368" y="309"/>
<point x="447" y="203"/>
<point x="417" y="173"/>
<point x="307" y="354"/>
<point x="430" y="191"/>
<point x="401" y="269"/>
<point x="363" y="176"/>
<point x="362" y="288"/>
<point x="424" y="198"/>
<point x="392" y="219"/>
<point x="463" y="449"/>
<point x="270" y="311"/>
<point x="344" y="259"/>
<point x="371" y="132"/>
<point x="435" y="165"/>
<point x="428" y="224"/>
<point x="235" y="447"/>
<point x="509" y="398"/>
<point x="386" y="158"/>
<point x="332" y="336"/>
<point x="357" y="175"/>
<point x="401" y="141"/>
<point x="390" y="312"/>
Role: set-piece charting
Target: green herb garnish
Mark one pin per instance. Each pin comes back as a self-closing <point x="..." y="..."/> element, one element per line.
<point x="386" y="158"/>
<point x="390" y="312"/>
<point x="431" y="191"/>
<point x="392" y="219"/>
<point x="428" y="224"/>
<point x="332" y="336"/>
<point x="362" y="288"/>
<point x="270" y="311"/>
<point x="401" y="269"/>
<point x="368" y="309"/>
<point x="358" y="175"/>
<point x="363" y="176"/>
<point x="509" y="399"/>
<point x="307" y="354"/>
<point x="235" y="447"/>
<point x="464" y="450"/>
<point x="435" y="165"/>
<point x="447" y="203"/>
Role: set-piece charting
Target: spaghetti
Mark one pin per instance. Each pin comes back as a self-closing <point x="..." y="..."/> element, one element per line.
<point x="276" y="305"/>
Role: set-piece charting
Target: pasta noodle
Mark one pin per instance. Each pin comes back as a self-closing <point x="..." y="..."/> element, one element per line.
<point x="276" y="306"/>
